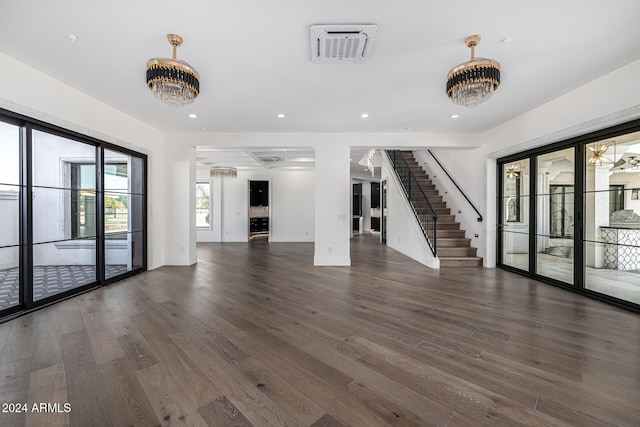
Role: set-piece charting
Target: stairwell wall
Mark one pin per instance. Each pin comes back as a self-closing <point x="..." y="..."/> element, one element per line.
<point x="470" y="177"/>
<point x="403" y="231"/>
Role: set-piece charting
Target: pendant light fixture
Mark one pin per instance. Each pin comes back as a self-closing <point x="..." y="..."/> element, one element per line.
<point x="512" y="171"/>
<point x="223" y="171"/>
<point x="473" y="82"/>
<point x="171" y="80"/>
<point x="598" y="154"/>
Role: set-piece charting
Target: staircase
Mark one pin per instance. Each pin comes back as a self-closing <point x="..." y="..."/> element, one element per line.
<point x="453" y="248"/>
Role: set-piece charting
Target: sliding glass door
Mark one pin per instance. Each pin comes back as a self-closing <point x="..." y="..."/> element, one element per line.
<point x="585" y="214"/>
<point x="73" y="214"/>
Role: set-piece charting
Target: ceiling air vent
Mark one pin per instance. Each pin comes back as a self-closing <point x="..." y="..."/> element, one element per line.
<point x="269" y="159"/>
<point x="341" y="43"/>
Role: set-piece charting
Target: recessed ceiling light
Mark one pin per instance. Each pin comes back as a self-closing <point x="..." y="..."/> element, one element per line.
<point x="204" y="128"/>
<point x="280" y="116"/>
<point x="193" y="116"/>
<point x="454" y="116"/>
<point x="73" y="38"/>
<point x="407" y="128"/>
<point x="364" y="115"/>
<point x="507" y="40"/>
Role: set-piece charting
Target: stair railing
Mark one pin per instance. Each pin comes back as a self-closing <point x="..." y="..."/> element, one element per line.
<point x="457" y="186"/>
<point x="422" y="209"/>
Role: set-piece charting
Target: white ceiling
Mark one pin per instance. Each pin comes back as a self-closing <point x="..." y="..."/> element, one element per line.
<point x="254" y="60"/>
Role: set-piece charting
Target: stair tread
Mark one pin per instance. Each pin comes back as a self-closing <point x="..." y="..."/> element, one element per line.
<point x="453" y="240"/>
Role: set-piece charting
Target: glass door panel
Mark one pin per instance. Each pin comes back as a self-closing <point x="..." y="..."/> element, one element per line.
<point x="10" y="190"/>
<point x="64" y="215"/>
<point x="555" y="215"/>
<point x="123" y="213"/>
<point x="514" y="223"/>
<point x="612" y="219"/>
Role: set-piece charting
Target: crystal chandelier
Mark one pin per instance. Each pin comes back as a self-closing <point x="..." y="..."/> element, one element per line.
<point x="223" y="171"/>
<point x="473" y="82"/>
<point x="173" y="81"/>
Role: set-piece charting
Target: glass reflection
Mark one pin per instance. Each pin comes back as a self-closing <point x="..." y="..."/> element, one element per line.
<point x="612" y="219"/>
<point x="515" y="214"/>
<point x="555" y="215"/>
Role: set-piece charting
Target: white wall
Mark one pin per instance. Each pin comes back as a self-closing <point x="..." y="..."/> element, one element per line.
<point x="39" y="96"/>
<point x="291" y="206"/>
<point x="332" y="182"/>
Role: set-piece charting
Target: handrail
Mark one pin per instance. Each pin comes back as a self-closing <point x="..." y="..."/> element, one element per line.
<point x="457" y="186"/>
<point x="409" y="184"/>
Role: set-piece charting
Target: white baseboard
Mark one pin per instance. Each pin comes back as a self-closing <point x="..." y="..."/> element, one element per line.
<point x="178" y="261"/>
<point x="329" y="261"/>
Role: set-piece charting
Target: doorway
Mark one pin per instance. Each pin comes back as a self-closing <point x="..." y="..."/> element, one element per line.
<point x="259" y="222"/>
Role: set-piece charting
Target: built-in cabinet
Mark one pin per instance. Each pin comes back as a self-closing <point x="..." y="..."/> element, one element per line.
<point x="357" y="207"/>
<point x="258" y="225"/>
<point x="259" y="193"/>
<point x="357" y="199"/>
<point x="375" y="206"/>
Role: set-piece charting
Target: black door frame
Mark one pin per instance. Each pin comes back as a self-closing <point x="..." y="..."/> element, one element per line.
<point x="26" y="126"/>
<point x="579" y="143"/>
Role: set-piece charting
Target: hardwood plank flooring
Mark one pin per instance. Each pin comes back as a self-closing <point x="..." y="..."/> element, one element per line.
<point x="255" y="335"/>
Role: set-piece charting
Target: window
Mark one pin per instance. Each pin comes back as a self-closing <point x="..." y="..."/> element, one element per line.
<point x="616" y="198"/>
<point x="203" y="204"/>
<point x="116" y="202"/>
<point x="83" y="202"/>
<point x="561" y="214"/>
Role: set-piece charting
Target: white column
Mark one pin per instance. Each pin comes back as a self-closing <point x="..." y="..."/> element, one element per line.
<point x="180" y="205"/>
<point x="333" y="194"/>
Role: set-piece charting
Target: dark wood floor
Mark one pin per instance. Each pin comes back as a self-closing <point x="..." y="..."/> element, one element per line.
<point x="255" y="335"/>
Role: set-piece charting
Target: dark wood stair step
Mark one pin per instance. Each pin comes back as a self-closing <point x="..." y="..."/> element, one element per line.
<point x="456" y="252"/>
<point x="452" y="242"/>
<point x="446" y="219"/>
<point x="442" y="233"/>
<point x="448" y="226"/>
<point x="460" y="262"/>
